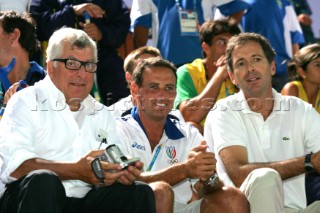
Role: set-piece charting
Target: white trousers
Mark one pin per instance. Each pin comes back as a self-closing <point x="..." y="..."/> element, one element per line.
<point x="271" y="200"/>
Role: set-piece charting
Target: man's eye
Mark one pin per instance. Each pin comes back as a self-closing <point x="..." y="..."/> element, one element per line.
<point x="153" y="87"/>
<point x="71" y="63"/>
<point x="170" y="88"/>
<point x="317" y="65"/>
<point x="241" y="64"/>
<point x="257" y="59"/>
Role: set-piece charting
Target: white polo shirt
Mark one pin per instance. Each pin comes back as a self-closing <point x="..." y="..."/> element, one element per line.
<point x="177" y="140"/>
<point x="37" y="123"/>
<point x="291" y="130"/>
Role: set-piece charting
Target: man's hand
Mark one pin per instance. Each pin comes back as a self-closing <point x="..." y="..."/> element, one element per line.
<point x="305" y="19"/>
<point x="93" y="10"/>
<point x="131" y="173"/>
<point x="222" y="67"/>
<point x="12" y="90"/>
<point x="200" y="163"/>
<point x="85" y="173"/>
<point x="92" y="30"/>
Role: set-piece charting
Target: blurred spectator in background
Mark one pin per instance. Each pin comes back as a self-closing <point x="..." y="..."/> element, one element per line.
<point x="277" y="21"/>
<point x="16" y="5"/>
<point x="304" y="12"/>
<point x="130" y="63"/>
<point x="106" y="22"/>
<point x="305" y="71"/>
<point x="175" y="25"/>
<point x="204" y="81"/>
<point x="17" y="44"/>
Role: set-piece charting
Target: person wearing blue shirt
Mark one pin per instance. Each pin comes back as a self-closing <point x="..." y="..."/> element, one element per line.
<point x="277" y="21"/>
<point x="175" y="45"/>
<point x="17" y="45"/>
<point x="107" y="23"/>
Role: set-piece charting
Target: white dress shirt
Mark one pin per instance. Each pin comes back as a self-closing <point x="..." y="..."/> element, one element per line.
<point x="38" y="123"/>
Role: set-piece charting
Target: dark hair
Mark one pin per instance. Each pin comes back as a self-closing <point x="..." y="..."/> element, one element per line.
<point x="242" y="39"/>
<point x="212" y="28"/>
<point x="137" y="75"/>
<point x="11" y="20"/>
<point x="131" y="60"/>
<point x="302" y="59"/>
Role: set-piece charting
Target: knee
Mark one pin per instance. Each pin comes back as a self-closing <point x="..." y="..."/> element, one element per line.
<point x="40" y="182"/>
<point x="266" y="178"/>
<point x="40" y="178"/>
<point x="222" y="199"/>
<point x="143" y="189"/>
<point x="162" y="190"/>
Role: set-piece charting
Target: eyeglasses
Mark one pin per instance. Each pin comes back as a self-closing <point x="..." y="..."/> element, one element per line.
<point x="73" y="64"/>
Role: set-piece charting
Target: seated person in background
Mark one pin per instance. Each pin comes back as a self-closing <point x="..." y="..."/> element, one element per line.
<point x="304" y="13"/>
<point x="18" y="44"/>
<point x="305" y="70"/>
<point x="177" y="39"/>
<point x="204" y="81"/>
<point x="106" y="22"/>
<point x="172" y="151"/>
<point x="261" y="137"/>
<point x="122" y="106"/>
<point x="49" y="137"/>
<point x="130" y="63"/>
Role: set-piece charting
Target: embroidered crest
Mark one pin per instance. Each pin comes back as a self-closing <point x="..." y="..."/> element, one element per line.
<point x="171" y="153"/>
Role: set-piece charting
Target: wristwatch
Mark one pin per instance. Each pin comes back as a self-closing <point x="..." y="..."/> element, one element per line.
<point x="308" y="167"/>
<point x="212" y="180"/>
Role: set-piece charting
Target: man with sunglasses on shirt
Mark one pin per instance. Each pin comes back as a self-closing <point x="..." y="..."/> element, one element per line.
<point x="52" y="133"/>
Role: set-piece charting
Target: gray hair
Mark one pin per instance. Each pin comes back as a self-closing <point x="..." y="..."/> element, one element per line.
<point x="70" y="36"/>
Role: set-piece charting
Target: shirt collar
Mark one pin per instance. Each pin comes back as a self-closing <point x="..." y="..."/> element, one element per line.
<point x="280" y="104"/>
<point x="170" y="128"/>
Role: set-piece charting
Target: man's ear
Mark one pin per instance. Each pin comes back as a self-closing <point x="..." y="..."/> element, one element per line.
<point x="50" y="68"/>
<point x="15" y="35"/>
<point x="273" y="67"/>
<point x="205" y="47"/>
<point x="128" y="77"/>
<point x="233" y="80"/>
<point x="301" y="72"/>
<point x="134" y="89"/>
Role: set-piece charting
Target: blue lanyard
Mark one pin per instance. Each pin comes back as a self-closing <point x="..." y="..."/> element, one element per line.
<point x="154" y="158"/>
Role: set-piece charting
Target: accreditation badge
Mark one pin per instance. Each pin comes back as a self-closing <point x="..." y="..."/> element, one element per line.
<point x="188" y="23"/>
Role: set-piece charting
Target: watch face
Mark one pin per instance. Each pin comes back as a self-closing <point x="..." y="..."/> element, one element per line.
<point x="309" y="168"/>
<point x="213" y="180"/>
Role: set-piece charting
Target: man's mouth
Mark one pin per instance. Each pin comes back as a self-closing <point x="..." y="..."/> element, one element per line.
<point x="77" y="84"/>
<point x="252" y="79"/>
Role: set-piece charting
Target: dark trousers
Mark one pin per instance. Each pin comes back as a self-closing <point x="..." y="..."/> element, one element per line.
<point x="43" y="192"/>
<point x="312" y="187"/>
